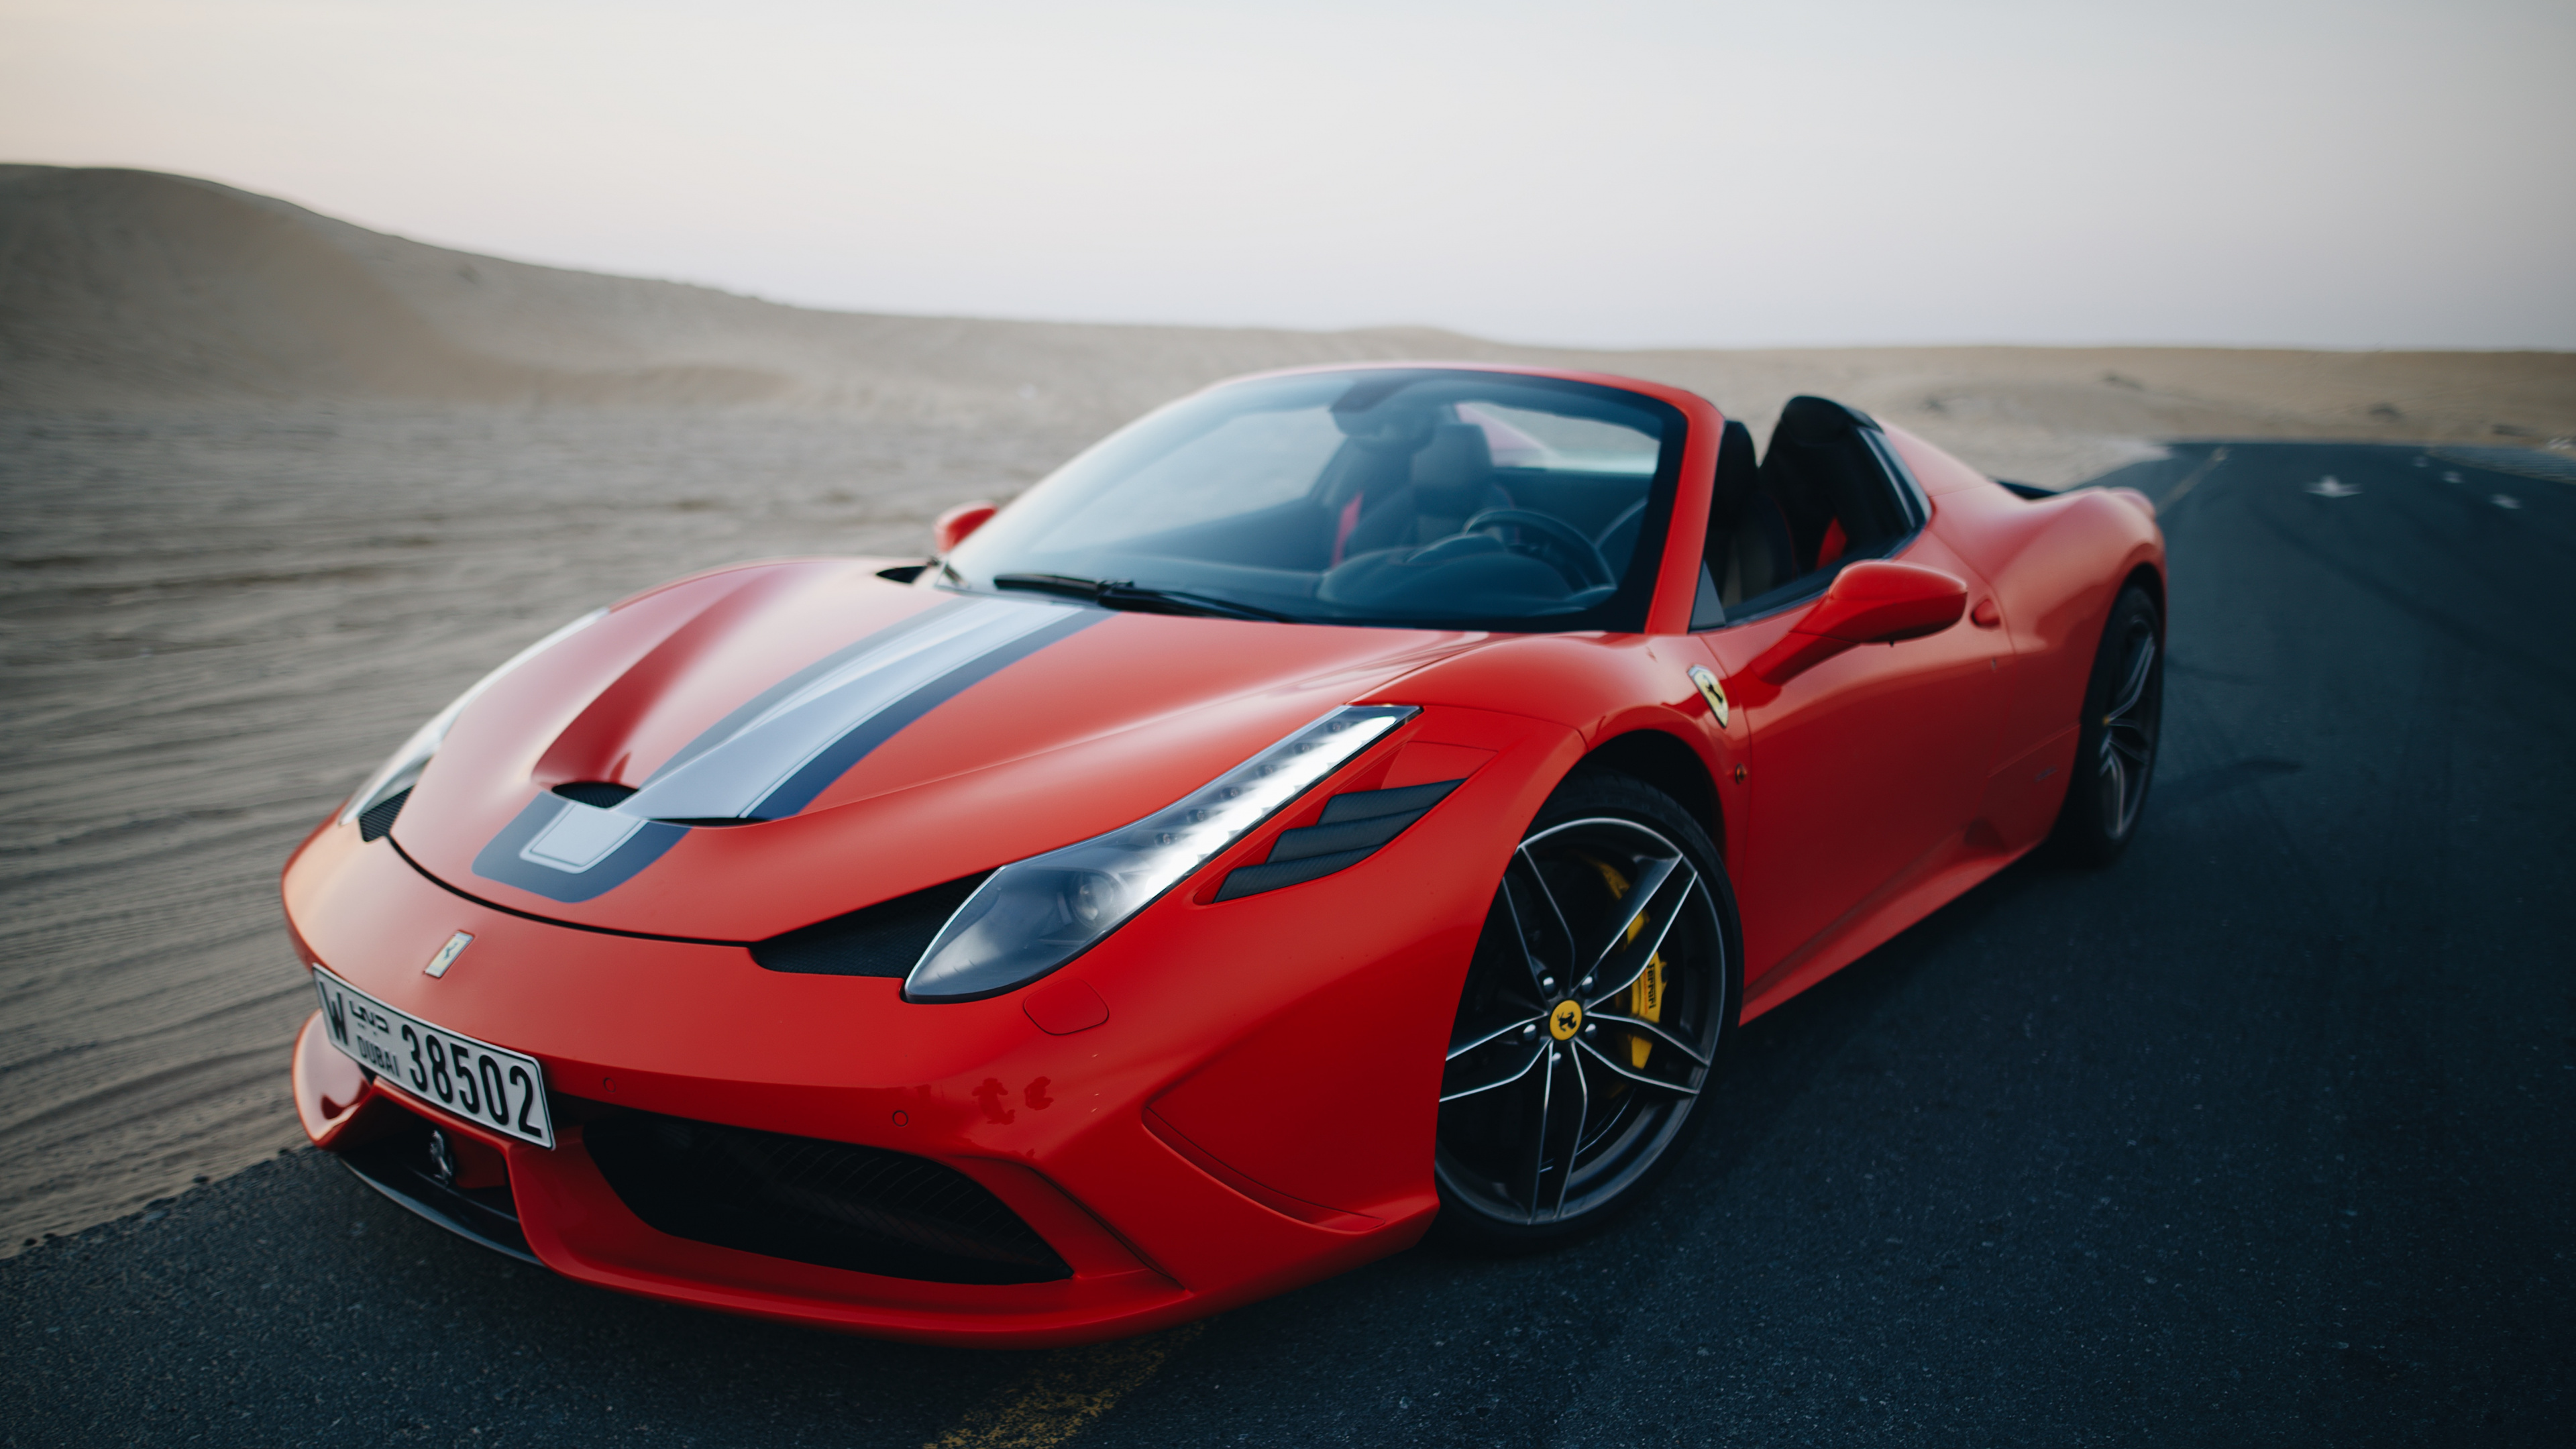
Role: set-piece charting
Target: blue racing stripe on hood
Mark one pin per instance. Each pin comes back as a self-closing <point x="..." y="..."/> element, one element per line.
<point x="771" y="756"/>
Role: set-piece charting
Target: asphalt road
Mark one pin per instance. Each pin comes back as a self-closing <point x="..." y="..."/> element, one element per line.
<point x="2263" y="1135"/>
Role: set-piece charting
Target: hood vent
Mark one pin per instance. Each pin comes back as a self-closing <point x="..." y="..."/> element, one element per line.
<point x="1352" y="829"/>
<point x="378" y="819"/>
<point x="885" y="939"/>
<point x="603" y="795"/>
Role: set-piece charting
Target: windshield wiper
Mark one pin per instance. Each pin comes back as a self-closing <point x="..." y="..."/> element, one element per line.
<point x="1135" y="598"/>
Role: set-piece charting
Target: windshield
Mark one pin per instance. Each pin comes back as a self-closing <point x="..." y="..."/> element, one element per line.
<point x="1397" y="497"/>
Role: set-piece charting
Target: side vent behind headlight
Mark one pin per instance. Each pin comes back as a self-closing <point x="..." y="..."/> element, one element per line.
<point x="1353" y="828"/>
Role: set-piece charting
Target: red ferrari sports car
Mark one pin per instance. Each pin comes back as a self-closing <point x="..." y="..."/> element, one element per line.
<point x="1345" y="804"/>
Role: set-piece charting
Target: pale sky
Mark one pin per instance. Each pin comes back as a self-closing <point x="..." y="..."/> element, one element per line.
<point x="2339" y="173"/>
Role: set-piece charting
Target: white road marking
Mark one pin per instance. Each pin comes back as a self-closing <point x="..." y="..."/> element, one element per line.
<point x="2505" y="500"/>
<point x="2331" y="487"/>
<point x="2217" y="456"/>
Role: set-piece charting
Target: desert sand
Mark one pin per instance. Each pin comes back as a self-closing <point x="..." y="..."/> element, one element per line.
<point x="274" y="487"/>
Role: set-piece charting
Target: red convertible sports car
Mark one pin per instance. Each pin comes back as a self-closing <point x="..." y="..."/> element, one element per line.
<point x="1345" y="804"/>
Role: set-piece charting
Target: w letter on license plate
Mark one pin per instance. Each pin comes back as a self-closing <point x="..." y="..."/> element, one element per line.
<point x="492" y="1087"/>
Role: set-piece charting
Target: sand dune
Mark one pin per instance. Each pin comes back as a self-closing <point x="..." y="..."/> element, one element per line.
<point x="124" y="290"/>
<point x="276" y="487"/>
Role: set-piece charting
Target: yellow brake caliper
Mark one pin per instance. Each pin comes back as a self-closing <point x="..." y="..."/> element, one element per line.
<point x="1645" y="997"/>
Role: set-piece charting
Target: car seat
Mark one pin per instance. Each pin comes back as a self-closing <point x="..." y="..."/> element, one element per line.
<point x="1831" y="489"/>
<point x="1749" y="550"/>
<point x="1450" y="481"/>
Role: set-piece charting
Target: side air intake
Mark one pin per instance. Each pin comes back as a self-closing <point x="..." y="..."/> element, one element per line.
<point x="1353" y="828"/>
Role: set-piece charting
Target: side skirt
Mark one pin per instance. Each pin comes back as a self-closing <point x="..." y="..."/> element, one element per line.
<point x="1945" y="873"/>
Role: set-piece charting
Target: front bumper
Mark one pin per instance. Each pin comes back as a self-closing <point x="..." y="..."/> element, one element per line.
<point x="1162" y="1155"/>
<point x="555" y="1208"/>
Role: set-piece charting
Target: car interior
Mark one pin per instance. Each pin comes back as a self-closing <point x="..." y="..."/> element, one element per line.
<point x="1414" y="514"/>
<point x="1825" y="494"/>
<point x="1404" y="498"/>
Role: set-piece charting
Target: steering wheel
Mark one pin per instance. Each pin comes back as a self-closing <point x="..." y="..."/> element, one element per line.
<point x="1594" y="571"/>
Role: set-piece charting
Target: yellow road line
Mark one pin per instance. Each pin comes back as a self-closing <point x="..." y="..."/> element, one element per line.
<point x="1064" y="1393"/>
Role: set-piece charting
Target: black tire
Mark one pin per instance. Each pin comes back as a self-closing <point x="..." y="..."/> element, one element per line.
<point x="1633" y="1027"/>
<point x="2115" y="751"/>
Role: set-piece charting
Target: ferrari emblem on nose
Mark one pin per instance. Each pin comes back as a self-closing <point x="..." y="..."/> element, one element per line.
<point x="1566" y="1020"/>
<point x="1712" y="691"/>
<point x="447" y="954"/>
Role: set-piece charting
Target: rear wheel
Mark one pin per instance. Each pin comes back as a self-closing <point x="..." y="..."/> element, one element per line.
<point x="1594" y="1008"/>
<point x="2115" y="751"/>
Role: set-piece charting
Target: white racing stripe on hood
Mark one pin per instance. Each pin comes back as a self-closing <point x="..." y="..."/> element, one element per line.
<point x="729" y="777"/>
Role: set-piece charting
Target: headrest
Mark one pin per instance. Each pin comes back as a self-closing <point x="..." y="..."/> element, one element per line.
<point x="1453" y="469"/>
<point x="1810" y="421"/>
<point x="1739" y="475"/>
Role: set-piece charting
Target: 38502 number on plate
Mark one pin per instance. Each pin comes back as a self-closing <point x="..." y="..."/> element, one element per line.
<point x="490" y="1086"/>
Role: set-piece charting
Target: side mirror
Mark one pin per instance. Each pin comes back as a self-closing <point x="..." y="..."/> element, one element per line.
<point x="953" y="526"/>
<point x="1871" y="602"/>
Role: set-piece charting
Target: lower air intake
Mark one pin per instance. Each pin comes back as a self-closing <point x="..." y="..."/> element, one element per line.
<point x="403" y="1165"/>
<point x="831" y="1204"/>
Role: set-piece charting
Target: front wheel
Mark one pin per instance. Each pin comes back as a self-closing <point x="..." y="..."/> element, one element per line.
<point x="1594" y="1008"/>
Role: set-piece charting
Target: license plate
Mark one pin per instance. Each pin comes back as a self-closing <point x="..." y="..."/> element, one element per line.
<point x="490" y="1086"/>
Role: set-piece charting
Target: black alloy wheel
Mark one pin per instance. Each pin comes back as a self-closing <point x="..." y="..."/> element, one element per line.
<point x="2115" y="751"/>
<point x="1591" y="1019"/>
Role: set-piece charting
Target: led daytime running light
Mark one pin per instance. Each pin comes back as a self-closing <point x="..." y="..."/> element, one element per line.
<point x="1030" y="917"/>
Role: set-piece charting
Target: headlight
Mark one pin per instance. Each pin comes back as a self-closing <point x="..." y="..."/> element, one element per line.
<point x="1033" y="916"/>
<point x="402" y="770"/>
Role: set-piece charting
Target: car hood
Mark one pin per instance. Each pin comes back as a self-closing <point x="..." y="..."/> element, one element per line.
<point x="759" y="748"/>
